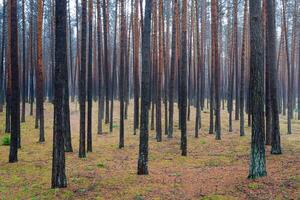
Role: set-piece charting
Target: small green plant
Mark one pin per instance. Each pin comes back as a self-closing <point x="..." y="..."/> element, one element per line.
<point x="100" y="165"/>
<point x="138" y="197"/>
<point x="202" y="142"/>
<point x="6" y="140"/>
<point x="254" y="186"/>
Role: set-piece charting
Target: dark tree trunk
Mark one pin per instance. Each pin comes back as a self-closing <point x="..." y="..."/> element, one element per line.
<point x="66" y="106"/>
<point x="243" y="62"/>
<point x="40" y="73"/>
<point x="106" y="65"/>
<point x="136" y="41"/>
<point x="268" y="108"/>
<point x="122" y="73"/>
<point x="199" y="75"/>
<point x="82" y="82"/>
<point x="23" y="63"/>
<point x="31" y="50"/>
<point x="2" y="56"/>
<point x="174" y="64"/>
<point x="15" y="98"/>
<point x="183" y="80"/>
<point x="235" y="38"/>
<point x="271" y="63"/>
<point x="159" y="72"/>
<point x="100" y="95"/>
<point x="90" y="79"/>
<point x="203" y="40"/>
<point x="145" y="94"/>
<point x="289" y="88"/>
<point x="59" y="179"/>
<point x="216" y="66"/>
<point x="257" y="158"/>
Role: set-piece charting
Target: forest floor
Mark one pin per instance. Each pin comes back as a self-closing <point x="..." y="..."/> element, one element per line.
<point x="212" y="170"/>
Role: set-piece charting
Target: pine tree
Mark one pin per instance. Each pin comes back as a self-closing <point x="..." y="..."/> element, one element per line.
<point x="82" y="82"/>
<point x="183" y="80"/>
<point x="257" y="157"/>
<point x="15" y="98"/>
<point x="142" y="168"/>
<point x="40" y="72"/>
<point x="271" y="63"/>
<point x="215" y="66"/>
<point x="59" y="179"/>
<point x="90" y="86"/>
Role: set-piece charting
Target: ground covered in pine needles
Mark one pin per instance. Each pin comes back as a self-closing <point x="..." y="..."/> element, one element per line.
<point x="213" y="169"/>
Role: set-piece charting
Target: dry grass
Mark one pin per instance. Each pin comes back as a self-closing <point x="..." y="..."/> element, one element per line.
<point x="213" y="169"/>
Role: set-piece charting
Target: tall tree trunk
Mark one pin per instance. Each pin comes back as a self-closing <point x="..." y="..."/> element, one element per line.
<point x="174" y="63"/>
<point x="202" y="51"/>
<point x="2" y="76"/>
<point x="160" y="66"/>
<point x="100" y="67"/>
<point x="106" y="60"/>
<point x="82" y="81"/>
<point x="289" y="88"/>
<point x="183" y="79"/>
<point x="136" y="41"/>
<point x="271" y="64"/>
<point x="66" y="106"/>
<point x="216" y="65"/>
<point x="15" y="98"/>
<point x="23" y="63"/>
<point x="122" y="72"/>
<point x="243" y="62"/>
<point x="142" y="168"/>
<point x="257" y="166"/>
<point x="199" y="74"/>
<point x="235" y="38"/>
<point x="40" y="72"/>
<point x="90" y="83"/>
<point x="59" y="179"/>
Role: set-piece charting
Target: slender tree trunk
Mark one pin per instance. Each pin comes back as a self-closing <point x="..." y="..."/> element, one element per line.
<point x="106" y="61"/>
<point x="40" y="72"/>
<point x="235" y="38"/>
<point x="2" y="76"/>
<point x="183" y="79"/>
<point x="23" y="63"/>
<point x="66" y="106"/>
<point x="271" y="63"/>
<point x="15" y="98"/>
<point x="243" y="62"/>
<point x="122" y="72"/>
<point x="160" y="67"/>
<point x="142" y="168"/>
<point x="100" y="95"/>
<point x="82" y="82"/>
<point x="289" y="88"/>
<point x="90" y="83"/>
<point x="174" y="64"/>
<point x="136" y="41"/>
<point x="199" y="74"/>
<point x="216" y="66"/>
<point x="59" y="179"/>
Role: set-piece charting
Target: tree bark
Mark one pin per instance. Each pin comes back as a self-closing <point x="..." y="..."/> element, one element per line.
<point x="15" y="98"/>
<point x="59" y="179"/>
<point x="40" y="72"/>
<point x="257" y="166"/>
<point x="271" y="63"/>
<point x="82" y="82"/>
<point x="145" y="94"/>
